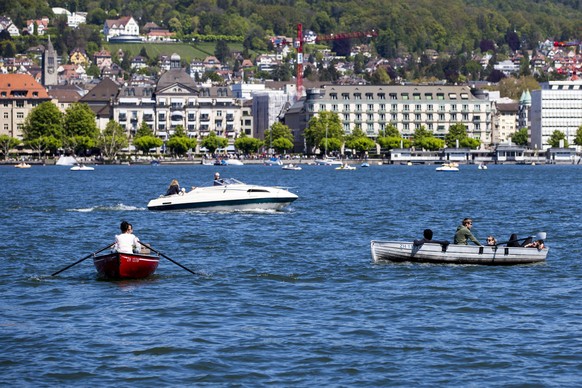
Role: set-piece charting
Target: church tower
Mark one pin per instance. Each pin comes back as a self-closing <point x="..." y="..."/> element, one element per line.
<point x="49" y="65"/>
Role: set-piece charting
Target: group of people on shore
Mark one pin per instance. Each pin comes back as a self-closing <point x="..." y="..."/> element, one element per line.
<point x="463" y="235"/>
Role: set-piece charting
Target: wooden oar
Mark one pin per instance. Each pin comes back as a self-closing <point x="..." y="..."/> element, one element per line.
<point x="172" y="260"/>
<point x="83" y="259"/>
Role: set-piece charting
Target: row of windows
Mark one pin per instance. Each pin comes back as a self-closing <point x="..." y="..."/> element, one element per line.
<point x="403" y="107"/>
<point x="408" y="117"/>
<point x="406" y="128"/>
<point x="399" y="96"/>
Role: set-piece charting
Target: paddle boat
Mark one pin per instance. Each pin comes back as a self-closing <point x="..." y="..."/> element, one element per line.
<point x="365" y="164"/>
<point x="345" y="166"/>
<point x="82" y="167"/>
<point x="227" y="195"/>
<point x="291" y="166"/>
<point x="406" y="251"/>
<point x="273" y="162"/>
<point x="451" y="167"/>
<point x="22" y="165"/>
<point x="118" y="266"/>
<point x="482" y="166"/>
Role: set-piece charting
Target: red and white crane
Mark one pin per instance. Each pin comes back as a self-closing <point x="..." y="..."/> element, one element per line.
<point x="301" y="40"/>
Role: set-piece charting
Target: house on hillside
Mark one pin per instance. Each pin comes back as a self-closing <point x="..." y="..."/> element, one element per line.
<point x="102" y="59"/>
<point x="78" y="57"/>
<point x="125" y="26"/>
<point x="6" y="24"/>
<point x="41" y="26"/>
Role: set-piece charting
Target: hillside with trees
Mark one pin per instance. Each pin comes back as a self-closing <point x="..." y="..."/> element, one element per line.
<point x="453" y="26"/>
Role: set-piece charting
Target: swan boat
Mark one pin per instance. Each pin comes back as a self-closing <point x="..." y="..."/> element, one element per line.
<point x="231" y="195"/>
<point x="399" y="251"/>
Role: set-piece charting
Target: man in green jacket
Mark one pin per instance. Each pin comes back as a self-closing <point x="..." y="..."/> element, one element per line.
<point x="463" y="234"/>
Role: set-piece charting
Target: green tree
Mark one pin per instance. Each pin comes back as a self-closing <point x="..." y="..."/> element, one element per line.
<point x="42" y="144"/>
<point x="424" y="139"/>
<point x="520" y="137"/>
<point x="112" y="140"/>
<point x="44" y="120"/>
<point x="391" y="142"/>
<point x="459" y="132"/>
<point x="213" y="142"/>
<point x="277" y="131"/>
<point x="179" y="142"/>
<point x="221" y="51"/>
<point x="578" y="138"/>
<point x="326" y="125"/>
<point x="282" y="144"/>
<point x="7" y="143"/>
<point x="144" y="139"/>
<point x="79" y="128"/>
<point x="358" y="141"/>
<point x="555" y="137"/>
<point x="248" y="145"/>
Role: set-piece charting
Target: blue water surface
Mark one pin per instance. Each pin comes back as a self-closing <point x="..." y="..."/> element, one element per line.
<point x="290" y="298"/>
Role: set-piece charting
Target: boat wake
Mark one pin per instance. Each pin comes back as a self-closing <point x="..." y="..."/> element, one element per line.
<point x="118" y="207"/>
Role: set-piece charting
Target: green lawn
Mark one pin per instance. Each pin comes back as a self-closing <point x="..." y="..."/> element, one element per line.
<point x="187" y="51"/>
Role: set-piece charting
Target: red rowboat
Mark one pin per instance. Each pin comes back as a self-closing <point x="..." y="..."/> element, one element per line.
<point x="118" y="265"/>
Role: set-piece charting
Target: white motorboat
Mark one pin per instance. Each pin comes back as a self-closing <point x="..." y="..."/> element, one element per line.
<point x="328" y="162"/>
<point x="482" y="166"/>
<point x="82" y="167"/>
<point x="345" y="167"/>
<point x="231" y="195"/>
<point x="399" y="251"/>
<point x="451" y="167"/>
<point x="291" y="166"/>
<point x="365" y="164"/>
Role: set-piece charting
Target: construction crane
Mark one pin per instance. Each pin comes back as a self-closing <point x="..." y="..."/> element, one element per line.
<point x="301" y="40"/>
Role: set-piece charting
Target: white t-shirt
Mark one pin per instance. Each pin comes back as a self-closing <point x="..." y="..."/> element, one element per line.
<point x="126" y="243"/>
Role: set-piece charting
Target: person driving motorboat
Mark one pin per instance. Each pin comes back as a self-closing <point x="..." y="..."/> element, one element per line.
<point x="217" y="180"/>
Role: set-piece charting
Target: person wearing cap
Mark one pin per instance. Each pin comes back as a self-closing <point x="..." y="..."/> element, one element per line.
<point x="217" y="180"/>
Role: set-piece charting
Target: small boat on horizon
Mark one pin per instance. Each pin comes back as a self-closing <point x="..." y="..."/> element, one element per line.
<point x="291" y="166"/>
<point x="345" y="166"/>
<point x="22" y="165"/>
<point x="82" y="167"/>
<point x="450" y="167"/>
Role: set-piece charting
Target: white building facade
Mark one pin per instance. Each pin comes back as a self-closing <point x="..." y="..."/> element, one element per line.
<point x="407" y="107"/>
<point x="557" y="106"/>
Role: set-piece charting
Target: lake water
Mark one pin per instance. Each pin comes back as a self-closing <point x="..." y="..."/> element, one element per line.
<point x="290" y="298"/>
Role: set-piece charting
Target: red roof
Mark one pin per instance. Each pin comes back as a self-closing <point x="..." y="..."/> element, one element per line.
<point x="21" y="86"/>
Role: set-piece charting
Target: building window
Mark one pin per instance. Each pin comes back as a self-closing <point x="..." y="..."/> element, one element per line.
<point x="5" y="115"/>
<point x="345" y="96"/>
<point x="19" y="115"/>
<point x="333" y="96"/>
<point x="369" y="96"/>
<point x="382" y="96"/>
<point x="357" y="96"/>
<point x="334" y="108"/>
<point x="20" y="104"/>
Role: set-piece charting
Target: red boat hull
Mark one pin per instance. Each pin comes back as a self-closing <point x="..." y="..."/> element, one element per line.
<point x="125" y="265"/>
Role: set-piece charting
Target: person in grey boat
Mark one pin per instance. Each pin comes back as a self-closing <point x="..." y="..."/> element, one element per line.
<point x="427" y="238"/>
<point x="463" y="233"/>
